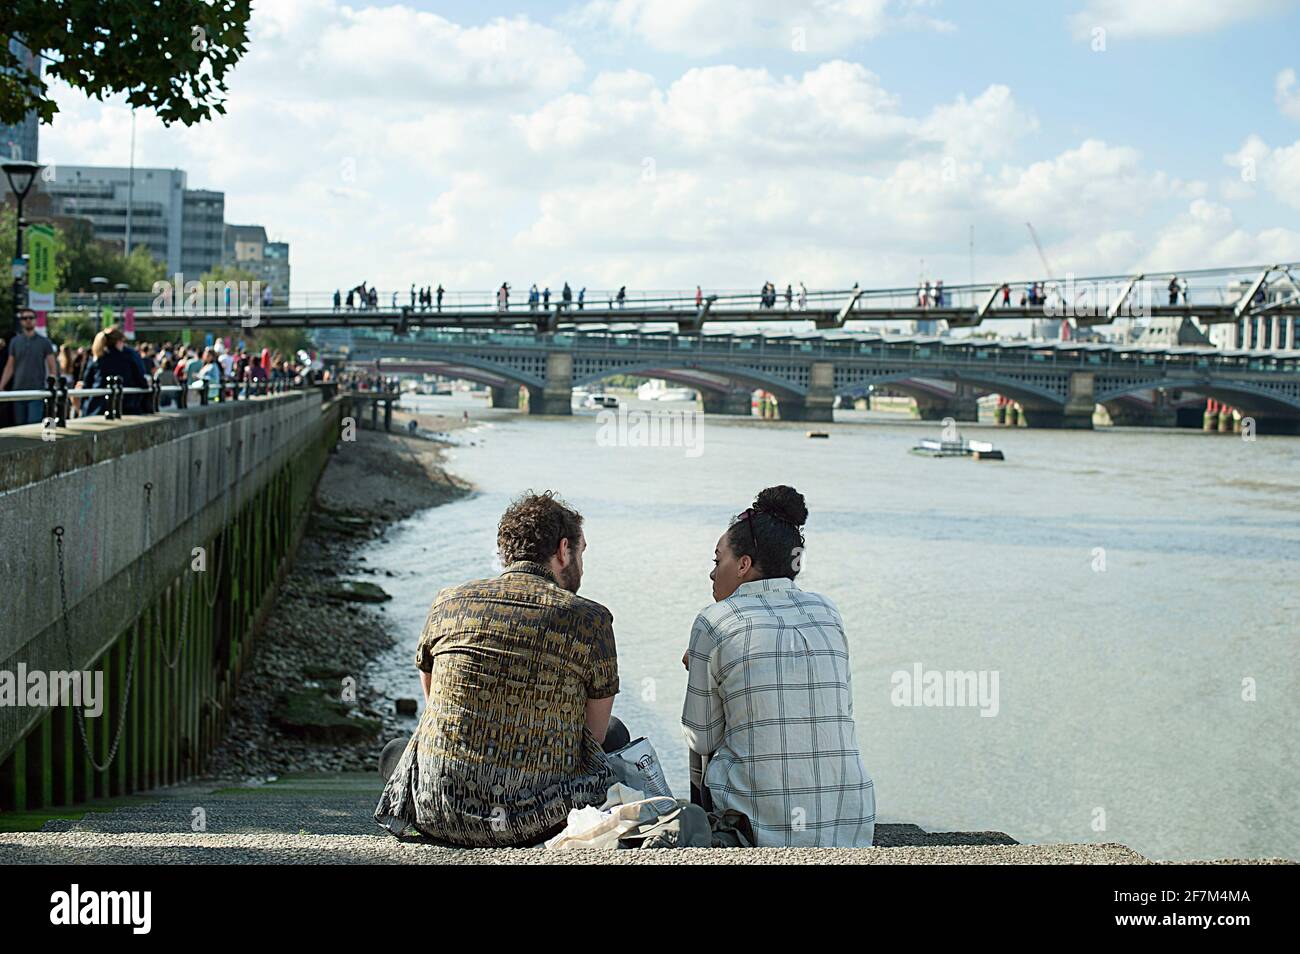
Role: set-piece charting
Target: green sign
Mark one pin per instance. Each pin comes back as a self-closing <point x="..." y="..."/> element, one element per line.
<point x="42" y="275"/>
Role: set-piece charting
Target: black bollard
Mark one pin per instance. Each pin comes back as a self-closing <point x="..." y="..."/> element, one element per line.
<point x="62" y="405"/>
<point x="50" y="402"/>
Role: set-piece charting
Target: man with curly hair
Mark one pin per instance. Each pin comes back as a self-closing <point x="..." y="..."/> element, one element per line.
<point x="519" y="676"/>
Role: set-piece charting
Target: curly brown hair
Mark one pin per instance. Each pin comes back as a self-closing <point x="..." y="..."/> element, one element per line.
<point x="533" y="526"/>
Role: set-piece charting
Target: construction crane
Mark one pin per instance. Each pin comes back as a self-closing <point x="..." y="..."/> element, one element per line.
<point x="1051" y="272"/>
<point x="1066" y="328"/>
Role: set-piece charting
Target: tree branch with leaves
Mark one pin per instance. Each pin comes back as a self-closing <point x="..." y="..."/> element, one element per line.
<point x="170" y="56"/>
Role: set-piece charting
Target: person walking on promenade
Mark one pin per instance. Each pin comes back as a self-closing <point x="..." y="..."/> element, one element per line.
<point x="768" y="715"/>
<point x="505" y="768"/>
<point x="622" y="295"/>
<point x="29" y="361"/>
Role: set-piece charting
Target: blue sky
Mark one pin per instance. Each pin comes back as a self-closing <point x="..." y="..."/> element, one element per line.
<point x="649" y="141"/>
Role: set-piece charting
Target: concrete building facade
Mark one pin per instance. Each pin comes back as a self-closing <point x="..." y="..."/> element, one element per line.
<point x="247" y="247"/>
<point x="181" y="227"/>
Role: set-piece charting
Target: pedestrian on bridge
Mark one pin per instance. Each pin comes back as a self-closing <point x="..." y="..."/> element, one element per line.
<point x="699" y="297"/>
<point x="803" y="296"/>
<point x="1173" y="290"/>
<point x="337" y="299"/>
<point x="789" y="296"/>
<point x="566" y="296"/>
<point x="503" y="297"/>
<point x="440" y="297"/>
<point x="582" y="297"/>
<point x="622" y="295"/>
<point x="546" y="299"/>
<point x="412" y="295"/>
<point x="1006" y="295"/>
<point x="532" y="297"/>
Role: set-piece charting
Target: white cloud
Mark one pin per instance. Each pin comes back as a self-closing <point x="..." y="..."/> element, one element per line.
<point x="1208" y="236"/>
<point x="1131" y="19"/>
<point x="1286" y="94"/>
<point x="1276" y="169"/>
<point x="468" y="170"/>
<point x="709" y="27"/>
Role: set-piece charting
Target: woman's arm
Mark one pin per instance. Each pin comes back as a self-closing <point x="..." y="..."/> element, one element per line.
<point x="703" y="716"/>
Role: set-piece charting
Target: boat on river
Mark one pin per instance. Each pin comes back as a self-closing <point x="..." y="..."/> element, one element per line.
<point x="979" y="450"/>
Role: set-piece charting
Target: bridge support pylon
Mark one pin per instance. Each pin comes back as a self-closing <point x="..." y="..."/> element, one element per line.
<point x="506" y="396"/>
<point x="962" y="406"/>
<point x="556" y="397"/>
<point x="735" y="401"/>
<point x="1077" y="412"/>
<point x="818" y="404"/>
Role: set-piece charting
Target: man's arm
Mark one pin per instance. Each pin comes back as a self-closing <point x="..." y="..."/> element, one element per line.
<point x="8" y="373"/>
<point x="598" y="711"/>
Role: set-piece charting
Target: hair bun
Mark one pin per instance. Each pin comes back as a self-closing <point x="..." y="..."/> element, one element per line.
<point x="784" y="503"/>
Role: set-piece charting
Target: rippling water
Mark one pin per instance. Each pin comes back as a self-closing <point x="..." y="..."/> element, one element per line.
<point x="1120" y="689"/>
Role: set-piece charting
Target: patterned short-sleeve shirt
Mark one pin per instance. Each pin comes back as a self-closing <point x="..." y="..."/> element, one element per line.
<point x="502" y="752"/>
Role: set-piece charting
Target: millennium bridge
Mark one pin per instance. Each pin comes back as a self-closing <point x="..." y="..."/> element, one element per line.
<point x="1259" y="303"/>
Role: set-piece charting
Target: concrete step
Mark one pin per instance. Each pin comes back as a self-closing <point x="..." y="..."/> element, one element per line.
<point x="326" y="819"/>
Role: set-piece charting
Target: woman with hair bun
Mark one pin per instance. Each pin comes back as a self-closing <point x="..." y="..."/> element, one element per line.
<point x="768" y="700"/>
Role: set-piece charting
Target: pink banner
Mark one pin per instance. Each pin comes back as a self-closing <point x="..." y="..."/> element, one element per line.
<point x="128" y="324"/>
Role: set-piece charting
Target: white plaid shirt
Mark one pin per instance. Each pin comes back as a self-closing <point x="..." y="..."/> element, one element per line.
<point x="769" y="700"/>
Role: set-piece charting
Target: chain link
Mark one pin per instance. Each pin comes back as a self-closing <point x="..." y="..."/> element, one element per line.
<point x="72" y="667"/>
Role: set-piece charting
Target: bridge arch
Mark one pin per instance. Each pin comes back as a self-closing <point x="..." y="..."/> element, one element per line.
<point x="745" y="377"/>
<point x="1235" y="393"/>
<point x="470" y="364"/>
<point x="1026" y="393"/>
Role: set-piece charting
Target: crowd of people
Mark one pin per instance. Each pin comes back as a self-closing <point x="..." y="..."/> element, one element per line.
<point x="29" y="359"/>
<point x="767" y="297"/>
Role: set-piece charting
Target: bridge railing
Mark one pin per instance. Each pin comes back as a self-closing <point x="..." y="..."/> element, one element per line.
<point x="1206" y="287"/>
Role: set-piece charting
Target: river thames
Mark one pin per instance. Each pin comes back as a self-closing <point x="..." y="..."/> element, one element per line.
<point x="1130" y="594"/>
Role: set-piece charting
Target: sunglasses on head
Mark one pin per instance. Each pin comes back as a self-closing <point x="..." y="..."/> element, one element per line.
<point x="748" y="516"/>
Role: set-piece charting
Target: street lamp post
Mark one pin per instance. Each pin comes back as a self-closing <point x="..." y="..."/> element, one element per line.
<point x="21" y="174"/>
<point x="99" y="283"/>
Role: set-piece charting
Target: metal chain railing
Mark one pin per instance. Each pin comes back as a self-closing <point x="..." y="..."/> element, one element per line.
<point x="72" y="667"/>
